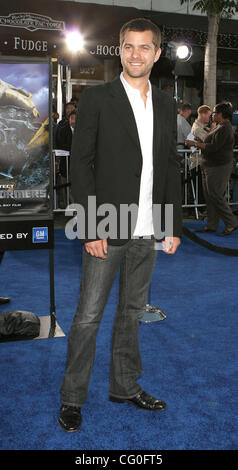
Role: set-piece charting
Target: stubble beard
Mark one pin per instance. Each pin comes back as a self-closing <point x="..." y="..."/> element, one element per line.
<point x="137" y="73"/>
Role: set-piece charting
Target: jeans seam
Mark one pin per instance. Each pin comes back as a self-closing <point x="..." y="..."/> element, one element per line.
<point x="126" y="302"/>
<point x="123" y="313"/>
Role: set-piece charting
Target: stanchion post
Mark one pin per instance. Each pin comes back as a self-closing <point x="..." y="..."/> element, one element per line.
<point x="52" y="295"/>
<point x="152" y="313"/>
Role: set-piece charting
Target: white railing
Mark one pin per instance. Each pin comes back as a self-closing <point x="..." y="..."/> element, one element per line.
<point x="190" y="181"/>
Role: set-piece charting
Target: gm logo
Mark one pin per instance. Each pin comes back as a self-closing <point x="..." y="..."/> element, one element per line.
<point x="40" y="234"/>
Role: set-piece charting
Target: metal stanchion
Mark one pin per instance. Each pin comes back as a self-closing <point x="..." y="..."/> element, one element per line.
<point x="52" y="296"/>
<point x="64" y="183"/>
<point x="192" y="186"/>
<point x="152" y="313"/>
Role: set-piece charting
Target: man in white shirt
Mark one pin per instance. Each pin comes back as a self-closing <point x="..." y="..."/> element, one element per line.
<point x="184" y="128"/>
<point x="123" y="152"/>
<point x="199" y="131"/>
<point x="143" y="112"/>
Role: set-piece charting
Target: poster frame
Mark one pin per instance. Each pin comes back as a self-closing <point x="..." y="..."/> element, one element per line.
<point x="8" y="219"/>
<point x="44" y="219"/>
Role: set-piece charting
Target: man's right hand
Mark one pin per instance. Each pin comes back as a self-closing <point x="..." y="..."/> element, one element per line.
<point x="97" y="248"/>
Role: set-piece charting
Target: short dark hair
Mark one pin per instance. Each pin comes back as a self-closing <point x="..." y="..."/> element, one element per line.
<point x="72" y="112"/>
<point x="226" y="101"/>
<point x="141" y="25"/>
<point x="224" y="109"/>
<point x="185" y="107"/>
<point x="69" y="103"/>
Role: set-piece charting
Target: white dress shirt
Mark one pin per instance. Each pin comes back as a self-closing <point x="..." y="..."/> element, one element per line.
<point x="145" y="124"/>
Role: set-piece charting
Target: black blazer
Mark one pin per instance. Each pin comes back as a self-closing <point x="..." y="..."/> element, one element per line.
<point x="106" y="158"/>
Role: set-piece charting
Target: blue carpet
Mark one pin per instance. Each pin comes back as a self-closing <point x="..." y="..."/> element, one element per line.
<point x="230" y="241"/>
<point x="190" y="359"/>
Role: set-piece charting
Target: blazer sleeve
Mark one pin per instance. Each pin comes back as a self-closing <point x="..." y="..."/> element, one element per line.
<point x="173" y="184"/>
<point x="83" y="153"/>
<point x="83" y="149"/>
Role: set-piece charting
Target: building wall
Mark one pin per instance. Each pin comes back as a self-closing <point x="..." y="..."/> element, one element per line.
<point x="169" y="6"/>
<point x="176" y="18"/>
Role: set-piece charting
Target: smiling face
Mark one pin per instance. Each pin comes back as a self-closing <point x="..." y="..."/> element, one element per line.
<point x="138" y="54"/>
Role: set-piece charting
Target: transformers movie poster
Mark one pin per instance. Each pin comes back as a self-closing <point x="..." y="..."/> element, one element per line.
<point x="24" y="139"/>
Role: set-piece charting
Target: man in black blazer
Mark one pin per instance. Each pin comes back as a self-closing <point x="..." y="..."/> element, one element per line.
<point x="123" y="154"/>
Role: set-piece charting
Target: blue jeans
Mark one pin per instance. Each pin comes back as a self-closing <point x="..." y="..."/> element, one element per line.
<point x="136" y="262"/>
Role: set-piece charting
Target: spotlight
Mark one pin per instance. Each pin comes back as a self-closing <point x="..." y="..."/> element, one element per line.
<point x="183" y="52"/>
<point x="74" y="40"/>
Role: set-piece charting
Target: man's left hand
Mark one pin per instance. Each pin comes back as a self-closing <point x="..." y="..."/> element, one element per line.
<point x="170" y="245"/>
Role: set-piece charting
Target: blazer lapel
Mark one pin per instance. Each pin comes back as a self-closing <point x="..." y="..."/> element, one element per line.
<point x="124" y="110"/>
<point x="158" y="125"/>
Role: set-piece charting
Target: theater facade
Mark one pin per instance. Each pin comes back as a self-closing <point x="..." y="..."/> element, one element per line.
<point x="40" y="29"/>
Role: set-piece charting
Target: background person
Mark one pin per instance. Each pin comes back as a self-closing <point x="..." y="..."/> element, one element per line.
<point x="183" y="126"/>
<point x="67" y="110"/>
<point x="65" y="132"/>
<point x="216" y="164"/>
<point x="200" y="130"/>
<point x="64" y="142"/>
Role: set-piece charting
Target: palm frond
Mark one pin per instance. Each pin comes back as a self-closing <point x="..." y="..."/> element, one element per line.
<point x="226" y="8"/>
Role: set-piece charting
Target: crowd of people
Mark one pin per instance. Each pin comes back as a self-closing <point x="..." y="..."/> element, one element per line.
<point x="211" y="140"/>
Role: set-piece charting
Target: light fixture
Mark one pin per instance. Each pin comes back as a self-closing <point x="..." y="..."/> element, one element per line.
<point x="74" y="40"/>
<point x="183" y="52"/>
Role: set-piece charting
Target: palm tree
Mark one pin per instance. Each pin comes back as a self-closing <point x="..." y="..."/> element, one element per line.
<point x="215" y="10"/>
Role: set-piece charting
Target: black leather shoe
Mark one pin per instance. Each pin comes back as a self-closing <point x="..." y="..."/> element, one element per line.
<point x="4" y="300"/>
<point x="70" y="418"/>
<point x="143" y="401"/>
